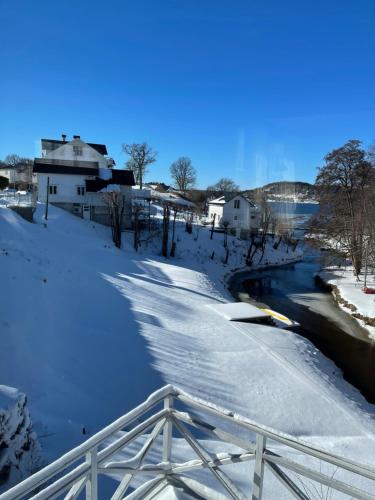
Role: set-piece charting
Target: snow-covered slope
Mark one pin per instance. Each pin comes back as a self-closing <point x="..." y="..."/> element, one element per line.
<point x="89" y="330"/>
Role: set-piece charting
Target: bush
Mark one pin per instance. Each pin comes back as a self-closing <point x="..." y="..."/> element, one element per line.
<point x="4" y="182"/>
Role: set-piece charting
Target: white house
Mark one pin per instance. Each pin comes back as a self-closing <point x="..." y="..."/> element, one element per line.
<point x="74" y="175"/>
<point x="239" y="212"/>
<point x="19" y="176"/>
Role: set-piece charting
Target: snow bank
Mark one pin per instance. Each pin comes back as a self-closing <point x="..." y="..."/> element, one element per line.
<point x="18" y="443"/>
<point x="350" y="296"/>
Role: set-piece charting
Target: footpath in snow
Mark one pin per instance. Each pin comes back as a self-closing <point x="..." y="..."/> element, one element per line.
<point x="88" y="331"/>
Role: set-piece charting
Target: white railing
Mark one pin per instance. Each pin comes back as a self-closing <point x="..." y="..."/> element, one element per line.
<point x="78" y="471"/>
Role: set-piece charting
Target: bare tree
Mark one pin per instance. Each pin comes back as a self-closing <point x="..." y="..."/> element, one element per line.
<point x="115" y="203"/>
<point x="225" y="224"/>
<point x="12" y="160"/>
<point x="166" y="216"/>
<point x="183" y="173"/>
<point x="141" y="156"/>
<point x="173" y="246"/>
<point x="266" y="218"/>
<point x="136" y="210"/>
<point x="212" y="226"/>
<point x="345" y="185"/>
<point x="223" y="185"/>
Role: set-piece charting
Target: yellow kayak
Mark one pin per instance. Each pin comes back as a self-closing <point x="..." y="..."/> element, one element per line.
<point x="284" y="320"/>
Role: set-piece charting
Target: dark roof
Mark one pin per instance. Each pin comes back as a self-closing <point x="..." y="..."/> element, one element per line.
<point x="95" y="185"/>
<point x="65" y="167"/>
<point x="52" y="144"/>
<point x="120" y="177"/>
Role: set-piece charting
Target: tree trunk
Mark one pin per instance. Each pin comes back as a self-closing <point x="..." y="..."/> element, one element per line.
<point x="164" y="249"/>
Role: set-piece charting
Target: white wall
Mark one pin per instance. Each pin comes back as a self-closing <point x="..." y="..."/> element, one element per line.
<point x="237" y="217"/>
<point x="67" y="190"/>
<point x="243" y="217"/>
<point x="215" y="209"/>
<point x="66" y="187"/>
<point x="66" y="152"/>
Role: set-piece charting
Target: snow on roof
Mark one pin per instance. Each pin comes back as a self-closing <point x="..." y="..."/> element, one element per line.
<point x="221" y="200"/>
<point x="148" y="192"/>
<point x="172" y="198"/>
<point x="228" y="197"/>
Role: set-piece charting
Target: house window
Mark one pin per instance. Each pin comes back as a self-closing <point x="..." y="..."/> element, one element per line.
<point x="77" y="150"/>
<point x="236" y="203"/>
<point x="80" y="190"/>
<point x="235" y="217"/>
<point x="52" y="189"/>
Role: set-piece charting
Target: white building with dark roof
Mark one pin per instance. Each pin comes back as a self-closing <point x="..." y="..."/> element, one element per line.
<point x="240" y="214"/>
<point x="75" y="175"/>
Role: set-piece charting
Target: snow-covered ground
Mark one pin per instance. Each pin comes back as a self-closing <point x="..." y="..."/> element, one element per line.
<point x="88" y="331"/>
<point x="351" y="291"/>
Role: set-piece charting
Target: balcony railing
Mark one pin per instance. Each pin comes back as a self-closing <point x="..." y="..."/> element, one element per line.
<point x="170" y="412"/>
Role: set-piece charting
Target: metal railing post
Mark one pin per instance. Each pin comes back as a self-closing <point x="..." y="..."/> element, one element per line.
<point x="167" y="433"/>
<point x="258" y="467"/>
<point x="92" y="483"/>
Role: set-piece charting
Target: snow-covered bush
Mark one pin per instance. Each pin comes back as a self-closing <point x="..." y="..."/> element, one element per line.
<point x="19" y="447"/>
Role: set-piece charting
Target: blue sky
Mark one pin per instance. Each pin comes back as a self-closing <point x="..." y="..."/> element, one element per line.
<point x="254" y="90"/>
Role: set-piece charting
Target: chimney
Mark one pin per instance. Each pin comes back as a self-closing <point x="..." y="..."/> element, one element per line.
<point x="63" y="137"/>
<point x="76" y="136"/>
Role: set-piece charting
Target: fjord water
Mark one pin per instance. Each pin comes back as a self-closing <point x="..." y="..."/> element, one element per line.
<point x="292" y="291"/>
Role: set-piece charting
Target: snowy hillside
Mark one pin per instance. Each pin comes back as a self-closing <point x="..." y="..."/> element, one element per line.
<point x="88" y="331"/>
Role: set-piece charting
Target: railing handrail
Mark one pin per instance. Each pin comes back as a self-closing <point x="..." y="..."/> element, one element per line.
<point x="80" y="451"/>
<point x="167" y="394"/>
<point x="278" y="436"/>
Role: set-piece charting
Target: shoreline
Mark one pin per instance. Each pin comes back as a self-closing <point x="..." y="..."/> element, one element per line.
<point x="246" y="269"/>
<point x="366" y="322"/>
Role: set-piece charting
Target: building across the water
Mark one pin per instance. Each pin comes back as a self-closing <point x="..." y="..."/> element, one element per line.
<point x="235" y="211"/>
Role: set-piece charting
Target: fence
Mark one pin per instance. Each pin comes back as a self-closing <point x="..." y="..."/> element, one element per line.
<point x="78" y="471"/>
<point x="18" y="199"/>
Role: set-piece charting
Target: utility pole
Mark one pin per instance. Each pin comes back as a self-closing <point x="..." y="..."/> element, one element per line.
<point x="47" y="199"/>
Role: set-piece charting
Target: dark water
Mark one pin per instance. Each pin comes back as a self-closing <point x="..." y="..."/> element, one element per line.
<point x="292" y="291"/>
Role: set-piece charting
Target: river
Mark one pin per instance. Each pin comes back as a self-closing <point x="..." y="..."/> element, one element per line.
<point x="292" y="291"/>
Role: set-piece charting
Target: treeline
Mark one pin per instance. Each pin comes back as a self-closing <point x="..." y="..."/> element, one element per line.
<point x="286" y="189"/>
<point x="345" y="186"/>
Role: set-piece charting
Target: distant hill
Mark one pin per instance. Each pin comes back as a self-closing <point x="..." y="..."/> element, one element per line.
<point x="285" y="191"/>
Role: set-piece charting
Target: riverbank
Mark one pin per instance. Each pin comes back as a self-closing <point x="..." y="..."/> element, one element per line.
<point x="292" y="291"/>
<point x="348" y="294"/>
